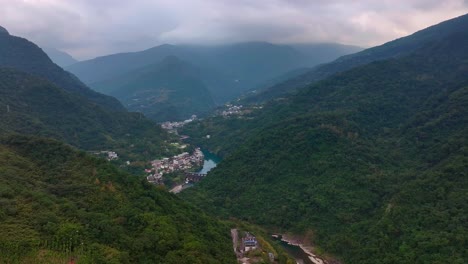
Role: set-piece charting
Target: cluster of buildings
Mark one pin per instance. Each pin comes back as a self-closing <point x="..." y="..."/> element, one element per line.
<point x="180" y="162"/>
<point x="232" y="110"/>
<point x="109" y="155"/>
<point x="174" y="125"/>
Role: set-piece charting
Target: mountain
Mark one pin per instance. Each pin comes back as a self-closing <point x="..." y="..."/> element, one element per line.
<point x="33" y="103"/>
<point x="34" y="106"/>
<point x="169" y="90"/>
<point x="21" y="54"/>
<point x="60" y="205"/>
<point x="4" y="31"/>
<point x="368" y="165"/>
<point x="393" y="49"/>
<point x="227" y="70"/>
<point x="59" y="57"/>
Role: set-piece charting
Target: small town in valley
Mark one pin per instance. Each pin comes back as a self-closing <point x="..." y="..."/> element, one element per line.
<point x="181" y="162"/>
<point x="172" y="126"/>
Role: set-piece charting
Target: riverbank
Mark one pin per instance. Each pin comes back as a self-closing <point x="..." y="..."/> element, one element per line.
<point x="307" y="249"/>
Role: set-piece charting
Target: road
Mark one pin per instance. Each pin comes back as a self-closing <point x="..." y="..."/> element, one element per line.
<point x="177" y="189"/>
<point x="234" y="239"/>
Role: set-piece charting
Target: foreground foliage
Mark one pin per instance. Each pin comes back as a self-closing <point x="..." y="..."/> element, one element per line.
<point x="58" y="203"/>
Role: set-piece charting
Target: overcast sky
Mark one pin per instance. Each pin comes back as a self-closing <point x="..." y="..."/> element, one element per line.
<point x="89" y="28"/>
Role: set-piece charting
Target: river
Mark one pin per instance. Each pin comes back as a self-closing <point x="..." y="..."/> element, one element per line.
<point x="211" y="161"/>
<point x="296" y="252"/>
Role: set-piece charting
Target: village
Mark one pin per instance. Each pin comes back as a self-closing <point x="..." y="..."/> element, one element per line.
<point x="181" y="162"/>
<point x="232" y="110"/>
<point x="172" y="126"/>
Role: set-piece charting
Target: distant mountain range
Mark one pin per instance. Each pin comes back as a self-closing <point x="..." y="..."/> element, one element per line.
<point x="168" y="90"/>
<point x="227" y="71"/>
<point x="59" y="57"/>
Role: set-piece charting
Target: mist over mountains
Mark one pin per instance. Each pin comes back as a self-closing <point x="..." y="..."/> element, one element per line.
<point x="226" y="70"/>
<point x="61" y="58"/>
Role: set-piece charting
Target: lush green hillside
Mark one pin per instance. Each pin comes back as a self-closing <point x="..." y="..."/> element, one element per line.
<point x="30" y="105"/>
<point x="168" y="91"/>
<point x="393" y="49"/>
<point x="372" y="161"/>
<point x="21" y="54"/>
<point x="58" y="203"/>
<point x="226" y="70"/>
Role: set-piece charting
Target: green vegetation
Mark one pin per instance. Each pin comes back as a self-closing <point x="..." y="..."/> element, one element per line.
<point x="23" y="55"/>
<point x="167" y="91"/>
<point x="58" y="203"/>
<point x="266" y="243"/>
<point x="220" y="128"/>
<point x="371" y="161"/>
<point x="33" y="106"/>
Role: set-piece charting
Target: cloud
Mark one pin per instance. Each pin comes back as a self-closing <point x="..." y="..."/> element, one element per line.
<point x="87" y="28"/>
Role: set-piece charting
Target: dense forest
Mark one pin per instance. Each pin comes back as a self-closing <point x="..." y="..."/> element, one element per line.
<point x="59" y="204"/>
<point x="34" y="106"/>
<point x="372" y="161"/>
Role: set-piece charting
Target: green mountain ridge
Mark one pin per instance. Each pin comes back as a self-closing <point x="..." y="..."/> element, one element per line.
<point x="167" y="91"/>
<point x="34" y="106"/>
<point x="21" y="54"/>
<point x="59" y="57"/>
<point x="371" y="162"/>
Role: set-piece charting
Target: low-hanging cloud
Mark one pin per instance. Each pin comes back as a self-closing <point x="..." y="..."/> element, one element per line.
<point x="87" y="28"/>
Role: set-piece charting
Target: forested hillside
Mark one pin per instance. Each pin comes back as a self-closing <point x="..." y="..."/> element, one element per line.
<point x="371" y="162"/>
<point x="227" y="70"/>
<point x="394" y="49"/>
<point x="21" y="54"/>
<point x="168" y="91"/>
<point x="59" y="204"/>
<point x="34" y="106"/>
